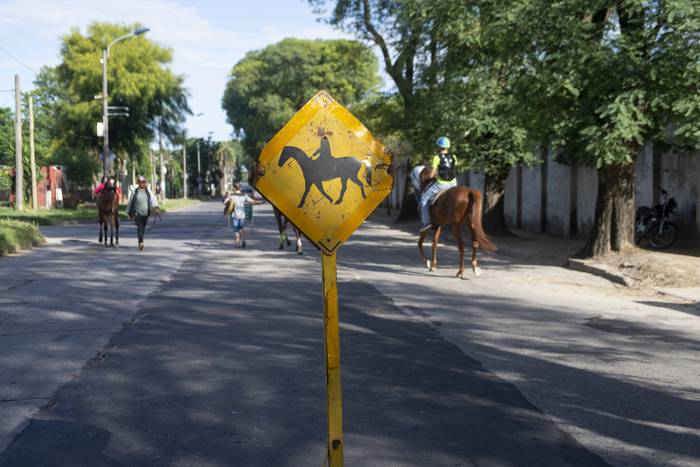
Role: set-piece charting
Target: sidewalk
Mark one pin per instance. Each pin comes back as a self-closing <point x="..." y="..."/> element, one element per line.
<point x="675" y="272"/>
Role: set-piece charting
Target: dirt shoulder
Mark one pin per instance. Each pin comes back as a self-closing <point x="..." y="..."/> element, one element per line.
<point x="677" y="268"/>
<point x="643" y="269"/>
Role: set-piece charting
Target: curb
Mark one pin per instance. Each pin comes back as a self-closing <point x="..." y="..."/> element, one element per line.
<point x="688" y="294"/>
<point x="600" y="270"/>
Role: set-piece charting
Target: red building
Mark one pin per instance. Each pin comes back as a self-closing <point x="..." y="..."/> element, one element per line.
<point x="51" y="187"/>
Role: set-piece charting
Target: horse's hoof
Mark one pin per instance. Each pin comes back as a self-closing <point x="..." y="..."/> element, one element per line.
<point x="477" y="271"/>
<point x="427" y="265"/>
<point x="300" y="252"/>
<point x="460" y="275"/>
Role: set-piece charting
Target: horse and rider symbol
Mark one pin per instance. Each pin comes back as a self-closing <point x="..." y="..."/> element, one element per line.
<point x="326" y="167"/>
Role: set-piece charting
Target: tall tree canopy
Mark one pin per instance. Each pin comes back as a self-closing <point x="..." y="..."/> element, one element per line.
<point x="470" y="91"/>
<point x="139" y="78"/>
<point x="614" y="75"/>
<point x="595" y="80"/>
<point x="7" y="137"/>
<point x="456" y="75"/>
<point x="402" y="33"/>
<point x="268" y="86"/>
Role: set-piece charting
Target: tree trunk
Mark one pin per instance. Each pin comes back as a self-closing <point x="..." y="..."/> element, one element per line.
<point x="613" y="227"/>
<point x="494" y="209"/>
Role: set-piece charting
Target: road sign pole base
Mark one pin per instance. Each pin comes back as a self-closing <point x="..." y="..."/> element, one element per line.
<point x="332" y="344"/>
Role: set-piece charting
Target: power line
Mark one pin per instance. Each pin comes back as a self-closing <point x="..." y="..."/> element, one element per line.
<point x="18" y="60"/>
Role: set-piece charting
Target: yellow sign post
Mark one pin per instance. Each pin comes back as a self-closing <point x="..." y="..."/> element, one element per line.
<point x="326" y="173"/>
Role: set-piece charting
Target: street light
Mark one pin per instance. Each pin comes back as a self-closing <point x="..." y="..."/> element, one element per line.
<point x="105" y="110"/>
<point x="199" y="166"/>
<point x="184" y="164"/>
<point x="199" y="162"/>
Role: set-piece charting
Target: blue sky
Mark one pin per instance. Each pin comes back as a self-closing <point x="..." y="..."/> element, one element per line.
<point x="208" y="38"/>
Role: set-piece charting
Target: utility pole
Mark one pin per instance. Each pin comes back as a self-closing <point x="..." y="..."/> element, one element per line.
<point x="105" y="116"/>
<point x="162" y="165"/>
<point x="31" y="151"/>
<point x="19" y="169"/>
<point x="199" y="171"/>
<point x="184" y="168"/>
<point x="105" y="109"/>
<point x="153" y="168"/>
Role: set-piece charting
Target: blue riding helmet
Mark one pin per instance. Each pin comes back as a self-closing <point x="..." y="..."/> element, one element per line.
<point x="443" y="142"/>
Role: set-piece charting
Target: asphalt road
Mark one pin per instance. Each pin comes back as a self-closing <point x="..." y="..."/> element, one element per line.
<point x="195" y="353"/>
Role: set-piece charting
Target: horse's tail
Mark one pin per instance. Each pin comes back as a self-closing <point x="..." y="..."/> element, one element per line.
<point x="368" y="171"/>
<point x="475" y="222"/>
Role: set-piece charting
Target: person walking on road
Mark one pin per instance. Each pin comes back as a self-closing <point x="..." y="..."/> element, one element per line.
<point x="238" y="202"/>
<point x="443" y="168"/>
<point x="141" y="205"/>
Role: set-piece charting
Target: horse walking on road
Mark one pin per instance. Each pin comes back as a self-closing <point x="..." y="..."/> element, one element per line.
<point x="455" y="206"/>
<point x="108" y="214"/>
<point x="282" y="223"/>
<point x="327" y="167"/>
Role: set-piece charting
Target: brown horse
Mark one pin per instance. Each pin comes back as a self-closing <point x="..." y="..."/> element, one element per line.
<point x="454" y="206"/>
<point x="108" y="213"/>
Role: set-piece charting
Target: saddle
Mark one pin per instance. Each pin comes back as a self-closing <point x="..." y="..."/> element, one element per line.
<point x="437" y="195"/>
<point x="434" y="199"/>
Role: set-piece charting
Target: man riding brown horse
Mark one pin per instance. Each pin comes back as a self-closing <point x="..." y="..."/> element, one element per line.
<point x="443" y="202"/>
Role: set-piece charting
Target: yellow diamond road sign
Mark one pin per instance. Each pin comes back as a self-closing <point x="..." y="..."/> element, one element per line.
<point x="324" y="171"/>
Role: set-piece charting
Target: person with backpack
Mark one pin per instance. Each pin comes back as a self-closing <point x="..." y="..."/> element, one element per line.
<point x="141" y="205"/>
<point x="443" y="169"/>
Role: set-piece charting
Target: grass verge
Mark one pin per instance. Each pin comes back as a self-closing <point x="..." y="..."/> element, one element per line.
<point x="81" y="214"/>
<point x="178" y="203"/>
<point x="50" y="216"/>
<point x="16" y="235"/>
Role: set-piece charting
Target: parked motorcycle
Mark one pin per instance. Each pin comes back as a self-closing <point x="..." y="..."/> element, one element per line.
<point x="652" y="223"/>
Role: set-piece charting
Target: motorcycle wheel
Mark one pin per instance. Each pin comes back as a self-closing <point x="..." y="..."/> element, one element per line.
<point x="665" y="238"/>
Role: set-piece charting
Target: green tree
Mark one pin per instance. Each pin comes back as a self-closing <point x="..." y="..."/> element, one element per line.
<point x="614" y="75"/>
<point x="470" y="91"/>
<point x="208" y="164"/>
<point x="7" y="137"/>
<point x="268" y="86"/>
<point x="454" y="75"/>
<point x="404" y="35"/>
<point x="139" y="78"/>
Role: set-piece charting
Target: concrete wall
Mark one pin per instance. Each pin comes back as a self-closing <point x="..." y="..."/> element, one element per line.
<point x="569" y="195"/>
<point x="679" y="176"/>
<point x="586" y="195"/>
<point x="559" y="197"/>
<point x="644" y="177"/>
<point x="476" y="180"/>
<point x="697" y="202"/>
<point x="531" y="199"/>
<point x="511" y="205"/>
